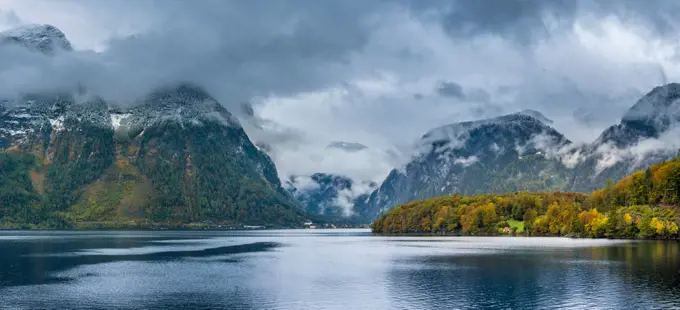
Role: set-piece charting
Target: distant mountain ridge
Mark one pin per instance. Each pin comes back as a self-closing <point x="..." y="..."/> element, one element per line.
<point x="331" y="197"/>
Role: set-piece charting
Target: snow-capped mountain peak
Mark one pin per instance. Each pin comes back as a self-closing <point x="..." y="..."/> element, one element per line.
<point x="41" y="37"/>
<point x="183" y="103"/>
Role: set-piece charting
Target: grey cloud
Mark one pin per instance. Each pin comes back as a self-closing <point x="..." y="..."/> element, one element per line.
<point x="235" y="49"/>
<point x="478" y="95"/>
<point x="347" y="146"/>
<point x="660" y="15"/>
<point x="450" y="89"/>
<point x="526" y="21"/>
<point x="522" y="21"/>
<point x="486" y="110"/>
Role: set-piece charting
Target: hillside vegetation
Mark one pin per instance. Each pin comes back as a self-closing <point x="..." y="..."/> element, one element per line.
<point x="641" y="205"/>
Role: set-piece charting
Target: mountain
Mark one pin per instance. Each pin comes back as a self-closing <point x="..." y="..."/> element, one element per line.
<point x="645" y="136"/>
<point x="175" y="157"/>
<point x="502" y="154"/>
<point x="42" y="38"/>
<point x="521" y="152"/>
<point x="331" y="197"/>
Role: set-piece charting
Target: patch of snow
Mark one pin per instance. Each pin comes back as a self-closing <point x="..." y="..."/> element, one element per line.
<point x="466" y="161"/>
<point x="495" y="148"/>
<point x="12" y="132"/>
<point x="117" y="118"/>
<point x="57" y="124"/>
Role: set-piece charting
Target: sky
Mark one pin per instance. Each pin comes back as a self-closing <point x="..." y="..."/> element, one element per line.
<point x="376" y="72"/>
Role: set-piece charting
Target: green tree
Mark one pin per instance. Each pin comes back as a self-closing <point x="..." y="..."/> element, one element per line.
<point x="529" y="218"/>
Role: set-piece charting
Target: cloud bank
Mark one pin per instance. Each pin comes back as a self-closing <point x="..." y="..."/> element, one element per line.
<point x="379" y="73"/>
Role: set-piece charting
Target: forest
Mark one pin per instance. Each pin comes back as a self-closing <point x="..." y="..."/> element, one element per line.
<point x="642" y="205"/>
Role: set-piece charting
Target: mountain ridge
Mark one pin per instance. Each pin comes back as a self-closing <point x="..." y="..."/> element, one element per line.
<point x="178" y="157"/>
<point x="562" y="165"/>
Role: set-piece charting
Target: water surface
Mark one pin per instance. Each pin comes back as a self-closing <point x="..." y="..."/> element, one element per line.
<point x="331" y="269"/>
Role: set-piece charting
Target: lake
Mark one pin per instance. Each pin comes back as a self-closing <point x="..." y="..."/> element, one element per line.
<point x="330" y="269"/>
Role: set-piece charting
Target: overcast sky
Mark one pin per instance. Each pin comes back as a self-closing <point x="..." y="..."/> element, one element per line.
<point x="380" y="73"/>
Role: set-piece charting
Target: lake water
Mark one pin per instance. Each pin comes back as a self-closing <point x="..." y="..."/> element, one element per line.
<point x="331" y="269"/>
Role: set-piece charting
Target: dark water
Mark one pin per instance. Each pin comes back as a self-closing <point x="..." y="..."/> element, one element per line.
<point x="335" y="269"/>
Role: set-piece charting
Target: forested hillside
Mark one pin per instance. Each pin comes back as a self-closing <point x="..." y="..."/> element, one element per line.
<point x="642" y="205"/>
<point x="177" y="159"/>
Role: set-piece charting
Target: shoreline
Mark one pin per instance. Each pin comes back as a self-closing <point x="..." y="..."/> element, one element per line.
<point x="518" y="236"/>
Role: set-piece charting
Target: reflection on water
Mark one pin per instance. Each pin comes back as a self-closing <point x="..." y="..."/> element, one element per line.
<point x="335" y="269"/>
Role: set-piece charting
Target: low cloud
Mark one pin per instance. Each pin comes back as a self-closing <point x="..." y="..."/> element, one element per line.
<point x="302" y="183"/>
<point x="347" y="197"/>
<point x="640" y="154"/>
<point x="307" y="159"/>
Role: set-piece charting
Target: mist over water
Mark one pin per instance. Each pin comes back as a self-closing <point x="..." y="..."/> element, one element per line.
<point x="331" y="269"/>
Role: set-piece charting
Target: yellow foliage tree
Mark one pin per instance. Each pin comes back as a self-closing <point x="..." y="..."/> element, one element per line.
<point x="628" y="219"/>
<point x="656" y="225"/>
